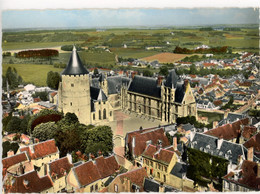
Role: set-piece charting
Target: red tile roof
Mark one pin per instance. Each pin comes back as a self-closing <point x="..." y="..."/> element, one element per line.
<point x="35" y="184"/>
<point x="41" y="149"/>
<point x="248" y="176"/>
<point x="217" y="102"/>
<point x="163" y="155"/>
<point x="90" y="172"/>
<point x="209" y="64"/>
<point x="142" y="136"/>
<point x="15" y="159"/>
<point x="254" y="142"/>
<point x="249" y="131"/>
<point x="36" y="100"/>
<point x="136" y="176"/>
<point x="87" y="173"/>
<point x="228" y="131"/>
<point x="60" y="167"/>
<point x="53" y="94"/>
<point x="106" y="166"/>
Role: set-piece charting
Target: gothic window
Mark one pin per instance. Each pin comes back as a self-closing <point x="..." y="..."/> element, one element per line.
<point x="99" y="114"/>
<point x="104" y="114"/>
<point x="94" y="116"/>
<point x="111" y="113"/>
<point x="164" y="178"/>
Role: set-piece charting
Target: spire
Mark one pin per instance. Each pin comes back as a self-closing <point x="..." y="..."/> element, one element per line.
<point x="75" y="66"/>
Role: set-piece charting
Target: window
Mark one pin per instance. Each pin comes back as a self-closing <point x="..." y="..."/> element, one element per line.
<point x="164" y="178"/>
<point x="72" y="85"/>
<point x="99" y="114"/>
<point x="94" y="116"/>
<point x="91" y="188"/>
<point x="70" y="103"/>
<point x="104" y="114"/>
<point x="116" y="188"/>
<point x="96" y="187"/>
<point x="111" y="113"/>
<point x="165" y="168"/>
<point x="158" y="174"/>
<point x="151" y="163"/>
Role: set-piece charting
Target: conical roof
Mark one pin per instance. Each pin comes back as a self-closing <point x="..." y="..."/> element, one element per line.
<point x="74" y="66"/>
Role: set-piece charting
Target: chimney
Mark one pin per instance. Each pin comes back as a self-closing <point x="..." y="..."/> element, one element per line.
<point x="192" y="134"/>
<point x="215" y="124"/>
<point x="219" y="143"/>
<point x="174" y="142"/>
<point x="250" y="153"/>
<point x="161" y="188"/>
<point x="133" y="146"/>
<point x="10" y="153"/>
<point x="126" y="73"/>
<point x="159" y="80"/>
<point x="128" y="185"/>
<point x="258" y="170"/>
<point x="69" y="157"/>
<point x="133" y="74"/>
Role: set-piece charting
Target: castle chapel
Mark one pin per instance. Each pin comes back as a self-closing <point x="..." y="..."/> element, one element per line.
<point x="93" y="100"/>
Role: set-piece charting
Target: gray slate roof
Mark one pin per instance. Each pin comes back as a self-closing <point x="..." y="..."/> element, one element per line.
<point x="74" y="66"/>
<point x="179" y="169"/>
<point x="179" y="92"/>
<point x="151" y="185"/>
<point x="115" y="83"/>
<point x="145" y="85"/>
<point x="228" y="150"/>
<point x="171" y="80"/>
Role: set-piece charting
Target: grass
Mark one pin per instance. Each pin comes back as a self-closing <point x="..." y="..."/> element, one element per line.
<point x="132" y="52"/>
<point x="211" y="116"/>
<point x="102" y="57"/>
<point x="30" y="45"/>
<point x="31" y="73"/>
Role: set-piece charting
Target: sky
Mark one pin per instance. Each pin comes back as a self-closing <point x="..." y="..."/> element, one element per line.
<point x="89" y="18"/>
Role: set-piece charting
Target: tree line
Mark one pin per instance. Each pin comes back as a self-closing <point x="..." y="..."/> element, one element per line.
<point x="38" y="53"/>
<point x="215" y="50"/>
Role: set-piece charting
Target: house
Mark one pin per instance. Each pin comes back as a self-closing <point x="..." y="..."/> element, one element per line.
<point x="40" y="154"/>
<point x="243" y="179"/>
<point x="221" y="148"/>
<point x="97" y="171"/>
<point x="255" y="143"/>
<point x="131" y="181"/>
<point x="136" y="141"/>
<point x="29" y="182"/>
<point x="16" y="164"/>
<point x="232" y="132"/>
<point x="58" y="171"/>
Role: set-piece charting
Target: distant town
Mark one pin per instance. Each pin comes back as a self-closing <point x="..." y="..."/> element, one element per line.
<point x="102" y="115"/>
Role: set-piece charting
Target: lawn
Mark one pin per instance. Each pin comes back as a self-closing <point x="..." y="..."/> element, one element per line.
<point x="6" y="46"/>
<point x="211" y="116"/>
<point x="132" y="52"/>
<point x="31" y="73"/>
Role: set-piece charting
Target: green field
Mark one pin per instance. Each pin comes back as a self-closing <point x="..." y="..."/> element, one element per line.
<point x="211" y="116"/>
<point x="132" y="52"/>
<point x="31" y="73"/>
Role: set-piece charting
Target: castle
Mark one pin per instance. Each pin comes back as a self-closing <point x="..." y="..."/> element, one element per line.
<point x="94" y="100"/>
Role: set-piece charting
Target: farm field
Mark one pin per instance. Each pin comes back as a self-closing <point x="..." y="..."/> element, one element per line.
<point x="31" y="73"/>
<point x="132" y="52"/>
<point x="165" y="57"/>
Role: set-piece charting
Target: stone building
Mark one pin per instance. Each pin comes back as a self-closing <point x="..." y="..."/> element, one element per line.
<point x="76" y="95"/>
<point x="156" y="99"/>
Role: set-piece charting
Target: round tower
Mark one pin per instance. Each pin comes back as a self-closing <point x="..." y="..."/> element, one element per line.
<point x="74" y="89"/>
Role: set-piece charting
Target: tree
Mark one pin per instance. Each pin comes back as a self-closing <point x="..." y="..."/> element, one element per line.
<point x="42" y="95"/>
<point x="44" y="131"/>
<point x="97" y="139"/>
<point x="193" y="69"/>
<point x="24" y="123"/>
<point x="14" y="125"/>
<point x="164" y="70"/>
<point x="7" y="146"/>
<point x="71" y="118"/>
<point x="95" y="71"/>
<point x="147" y="73"/>
<point x="53" y="79"/>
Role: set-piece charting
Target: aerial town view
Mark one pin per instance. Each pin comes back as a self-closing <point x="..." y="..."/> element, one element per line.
<point x="130" y="100"/>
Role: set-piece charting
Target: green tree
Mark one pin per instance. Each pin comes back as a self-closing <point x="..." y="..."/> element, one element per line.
<point x="14" y="125"/>
<point x="7" y="146"/>
<point x="193" y="69"/>
<point x="97" y="139"/>
<point x="147" y="73"/>
<point x="164" y="70"/>
<point x="53" y="79"/>
<point x="44" y="131"/>
<point x="42" y="95"/>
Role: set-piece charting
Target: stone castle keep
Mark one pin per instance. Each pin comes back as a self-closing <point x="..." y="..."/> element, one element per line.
<point x="94" y="100"/>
